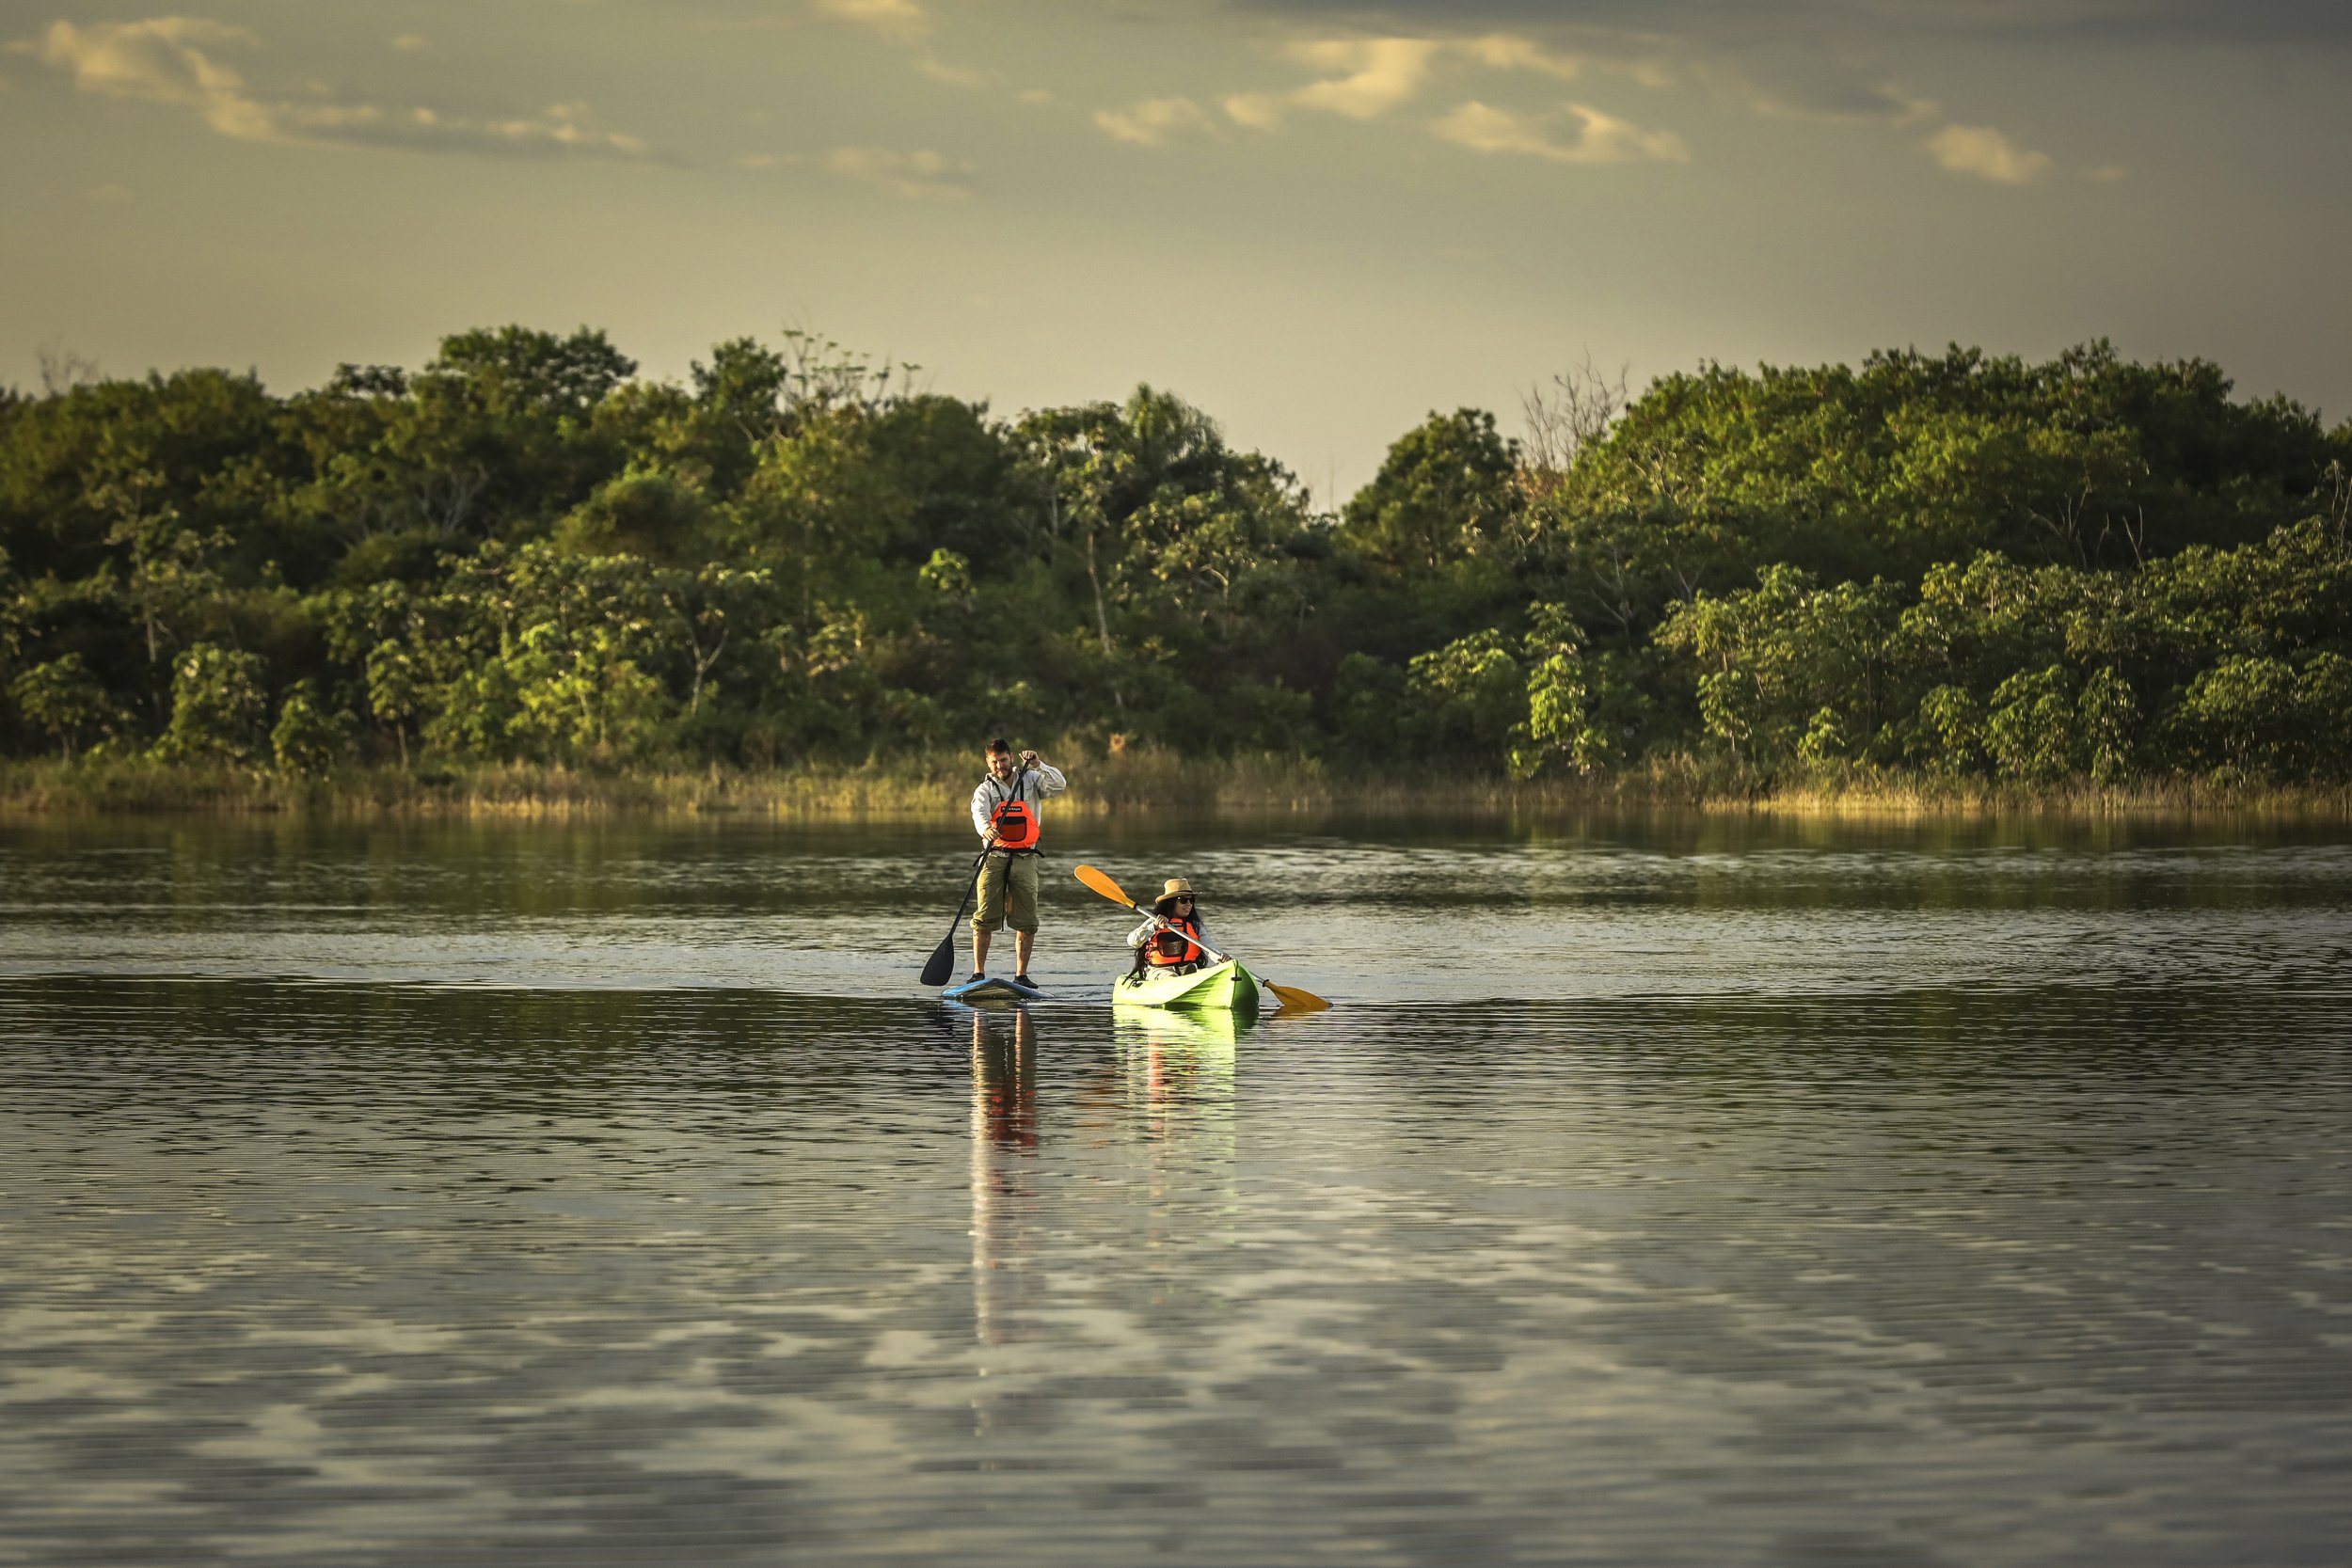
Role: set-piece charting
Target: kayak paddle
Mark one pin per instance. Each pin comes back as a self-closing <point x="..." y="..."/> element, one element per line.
<point x="943" y="957"/>
<point x="1290" y="996"/>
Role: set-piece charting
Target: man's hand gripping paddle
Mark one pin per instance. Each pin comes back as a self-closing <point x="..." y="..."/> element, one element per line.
<point x="1290" y="996"/>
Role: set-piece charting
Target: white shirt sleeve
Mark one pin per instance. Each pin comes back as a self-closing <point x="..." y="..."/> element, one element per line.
<point x="1049" y="780"/>
<point x="1142" y="933"/>
<point x="981" y="806"/>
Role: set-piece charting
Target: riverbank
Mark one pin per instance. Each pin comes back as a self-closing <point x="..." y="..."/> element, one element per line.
<point x="1127" y="782"/>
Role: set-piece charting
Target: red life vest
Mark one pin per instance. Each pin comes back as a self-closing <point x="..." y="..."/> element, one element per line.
<point x="1015" y="821"/>
<point x="1179" y="944"/>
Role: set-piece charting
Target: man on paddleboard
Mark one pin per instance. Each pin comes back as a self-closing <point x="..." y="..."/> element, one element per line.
<point x="1004" y="813"/>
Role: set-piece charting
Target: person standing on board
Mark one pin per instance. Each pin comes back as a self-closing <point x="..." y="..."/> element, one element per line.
<point x="1171" y="942"/>
<point x="1005" y="814"/>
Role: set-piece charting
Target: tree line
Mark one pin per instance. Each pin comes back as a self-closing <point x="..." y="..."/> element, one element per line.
<point x="524" y="552"/>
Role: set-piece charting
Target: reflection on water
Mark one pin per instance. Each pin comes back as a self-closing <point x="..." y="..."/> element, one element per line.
<point x="1655" y="1193"/>
<point x="1005" y="1193"/>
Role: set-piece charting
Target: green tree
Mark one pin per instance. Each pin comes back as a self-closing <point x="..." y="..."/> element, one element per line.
<point x="1465" y="700"/>
<point x="166" y="574"/>
<point x="308" y="739"/>
<point x="1767" y="661"/>
<point x="1447" y="489"/>
<point x="62" y="699"/>
<point x="216" y="704"/>
<point x="2031" y="730"/>
<point x="1561" y="723"/>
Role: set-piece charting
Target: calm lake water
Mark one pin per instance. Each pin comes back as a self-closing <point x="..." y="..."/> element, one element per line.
<point x="1659" y="1190"/>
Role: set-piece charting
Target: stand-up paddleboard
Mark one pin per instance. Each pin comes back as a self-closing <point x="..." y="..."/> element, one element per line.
<point x="997" y="987"/>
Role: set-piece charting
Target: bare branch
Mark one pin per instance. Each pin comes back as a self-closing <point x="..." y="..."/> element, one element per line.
<point x="1574" y="413"/>
<point x="62" y="370"/>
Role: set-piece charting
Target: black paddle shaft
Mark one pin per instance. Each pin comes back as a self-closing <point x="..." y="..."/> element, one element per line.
<point x="943" y="955"/>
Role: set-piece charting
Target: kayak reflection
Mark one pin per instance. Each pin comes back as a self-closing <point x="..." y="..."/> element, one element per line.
<point x="1178" y="1069"/>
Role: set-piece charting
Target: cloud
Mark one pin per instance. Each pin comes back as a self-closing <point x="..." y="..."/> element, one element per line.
<point x="165" y="60"/>
<point x="411" y="43"/>
<point x="1507" y="52"/>
<point x="1035" y="95"/>
<point x="1732" y="22"/>
<point x="903" y="19"/>
<point x="159" y="61"/>
<point x="912" y="175"/>
<point x="1827" y="94"/>
<point x="1260" y="111"/>
<point x="1986" y="152"/>
<point x="1381" y="74"/>
<point x="1601" y="137"/>
<point x="1373" y="76"/>
<point x="952" y="75"/>
<point x="559" y="127"/>
<point x="1154" y="120"/>
<point x="918" y="175"/>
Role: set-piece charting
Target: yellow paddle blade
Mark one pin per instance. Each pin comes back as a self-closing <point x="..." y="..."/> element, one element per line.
<point x="1100" y="882"/>
<point x="1305" y="1001"/>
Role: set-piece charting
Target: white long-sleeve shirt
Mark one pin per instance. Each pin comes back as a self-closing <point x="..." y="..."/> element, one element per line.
<point x="1035" y="786"/>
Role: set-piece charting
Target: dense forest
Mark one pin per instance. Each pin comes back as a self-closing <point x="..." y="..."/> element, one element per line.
<point x="1942" y="565"/>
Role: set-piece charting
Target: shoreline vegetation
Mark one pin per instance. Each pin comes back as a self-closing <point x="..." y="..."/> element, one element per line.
<point x="524" y="581"/>
<point x="1101" y="787"/>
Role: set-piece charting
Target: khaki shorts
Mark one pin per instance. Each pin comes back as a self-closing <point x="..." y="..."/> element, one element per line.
<point x="1008" y="892"/>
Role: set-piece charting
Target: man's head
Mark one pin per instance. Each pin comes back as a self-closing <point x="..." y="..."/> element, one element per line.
<point x="1000" y="757"/>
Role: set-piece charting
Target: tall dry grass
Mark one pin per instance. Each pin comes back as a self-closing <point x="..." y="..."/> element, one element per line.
<point x="1133" y="779"/>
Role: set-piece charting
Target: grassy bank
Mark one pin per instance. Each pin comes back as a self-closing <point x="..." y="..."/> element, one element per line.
<point x="1130" y="781"/>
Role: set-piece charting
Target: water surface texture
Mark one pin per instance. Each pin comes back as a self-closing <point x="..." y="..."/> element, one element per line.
<point x="1659" y="1192"/>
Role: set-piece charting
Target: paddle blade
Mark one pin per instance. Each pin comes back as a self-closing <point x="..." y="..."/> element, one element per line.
<point x="943" y="961"/>
<point x="1292" y="997"/>
<point x="1100" y="882"/>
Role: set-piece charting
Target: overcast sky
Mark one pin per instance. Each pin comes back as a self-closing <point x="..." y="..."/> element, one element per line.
<point x="1316" y="219"/>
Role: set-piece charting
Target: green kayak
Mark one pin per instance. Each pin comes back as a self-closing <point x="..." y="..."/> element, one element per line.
<point x="1227" y="986"/>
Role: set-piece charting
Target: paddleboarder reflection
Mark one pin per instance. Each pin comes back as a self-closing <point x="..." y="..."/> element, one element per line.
<point x="1004" y="1083"/>
<point x="1007" y="1292"/>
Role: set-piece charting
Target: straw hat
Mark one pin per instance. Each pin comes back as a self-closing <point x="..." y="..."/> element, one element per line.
<point x="1177" y="888"/>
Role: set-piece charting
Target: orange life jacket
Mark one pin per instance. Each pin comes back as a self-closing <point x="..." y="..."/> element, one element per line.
<point x="1179" y="944"/>
<point x="1014" y="821"/>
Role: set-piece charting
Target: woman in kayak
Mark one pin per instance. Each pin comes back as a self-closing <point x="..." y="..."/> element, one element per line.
<point x="1173" y="941"/>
